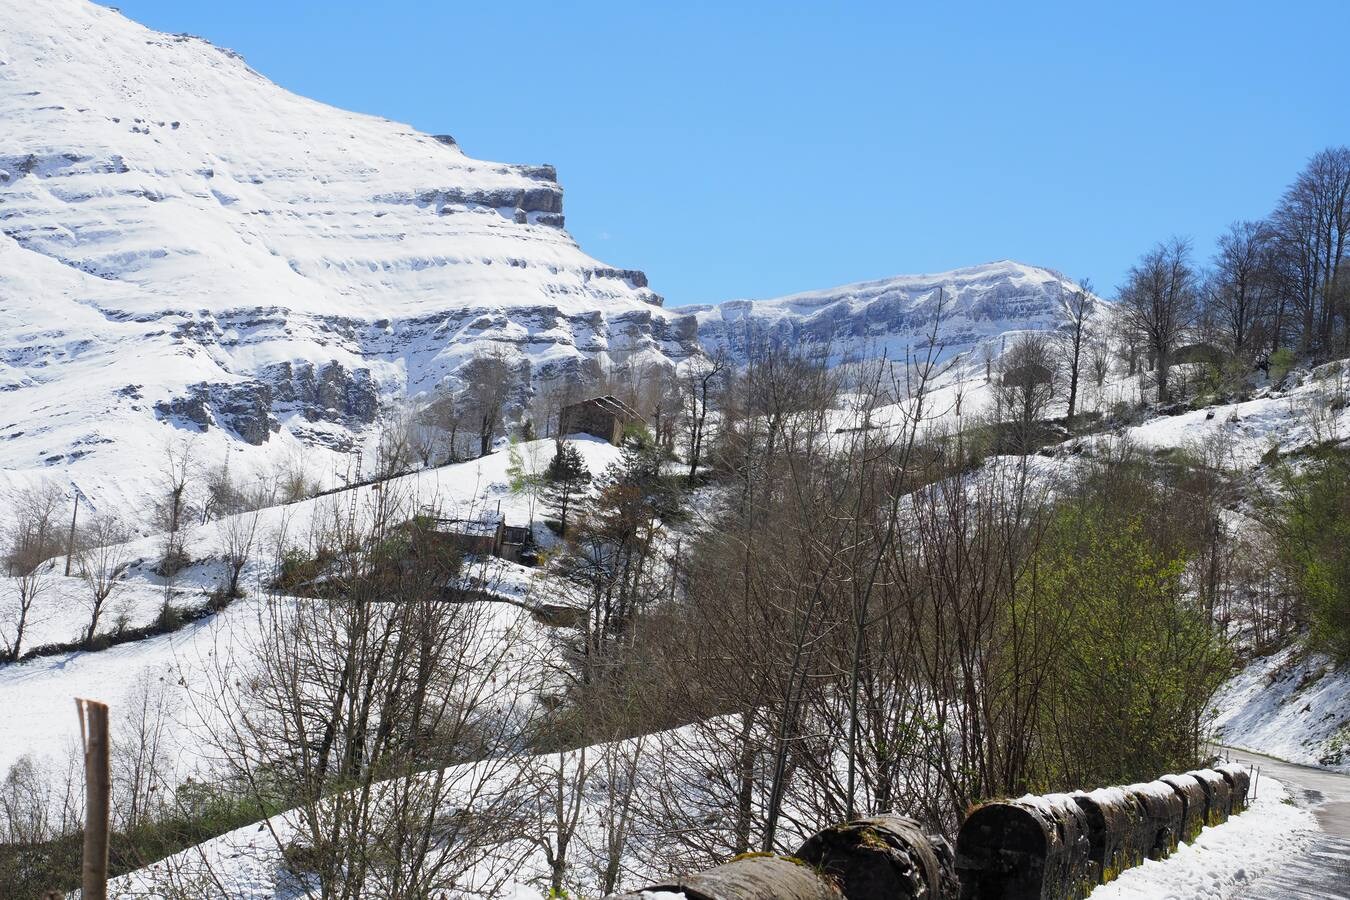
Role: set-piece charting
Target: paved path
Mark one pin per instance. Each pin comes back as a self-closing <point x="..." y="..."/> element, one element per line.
<point x="1323" y="871"/>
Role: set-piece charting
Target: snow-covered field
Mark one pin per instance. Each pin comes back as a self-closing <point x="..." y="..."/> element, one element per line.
<point x="62" y="610"/>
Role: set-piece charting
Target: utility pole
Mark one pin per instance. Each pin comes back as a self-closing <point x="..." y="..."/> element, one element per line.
<point x="97" y="788"/>
<point x="70" y="540"/>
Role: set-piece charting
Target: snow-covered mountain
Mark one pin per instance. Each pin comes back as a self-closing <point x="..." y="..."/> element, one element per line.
<point x="978" y="305"/>
<point x="185" y="245"/>
<point x="188" y="249"/>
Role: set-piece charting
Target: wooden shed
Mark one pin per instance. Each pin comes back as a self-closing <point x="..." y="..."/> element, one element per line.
<point x="605" y="417"/>
<point x="482" y="535"/>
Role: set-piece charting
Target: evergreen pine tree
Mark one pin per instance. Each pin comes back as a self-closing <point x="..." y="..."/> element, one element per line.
<point x="565" y="478"/>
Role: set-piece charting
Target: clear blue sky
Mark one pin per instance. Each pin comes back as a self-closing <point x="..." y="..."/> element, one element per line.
<point x="752" y="150"/>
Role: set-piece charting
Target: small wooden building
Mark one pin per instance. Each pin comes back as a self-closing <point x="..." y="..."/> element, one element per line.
<point x="481" y="536"/>
<point x="486" y="535"/>
<point x="605" y="417"/>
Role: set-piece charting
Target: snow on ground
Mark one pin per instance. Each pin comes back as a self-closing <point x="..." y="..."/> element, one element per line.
<point x="1224" y="858"/>
<point x="62" y="609"/>
<point x="44" y="687"/>
<point x="1310" y="411"/>
<point x="247" y="864"/>
<point x="1292" y="705"/>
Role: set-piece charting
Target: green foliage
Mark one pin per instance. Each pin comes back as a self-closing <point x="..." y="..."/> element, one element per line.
<point x="567" y="466"/>
<point x="637" y="433"/>
<point x="522" y="480"/>
<point x="297" y="567"/>
<point x="1134" y="660"/>
<point x="200" y="811"/>
<point x="1281" y="361"/>
<point x="564" y="481"/>
<point x="1312" y="526"/>
<point x="170" y="617"/>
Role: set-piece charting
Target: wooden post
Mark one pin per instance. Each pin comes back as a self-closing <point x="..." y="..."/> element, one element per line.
<point x="70" y="541"/>
<point x="97" y="787"/>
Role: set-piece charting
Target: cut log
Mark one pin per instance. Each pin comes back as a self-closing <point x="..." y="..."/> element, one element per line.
<point x="756" y="876"/>
<point x="1218" y="795"/>
<point x="1164" y="816"/>
<point x="884" y="858"/>
<point x="1239" y="779"/>
<point x="1034" y="848"/>
<point x="1193" y="801"/>
<point x="1118" y="836"/>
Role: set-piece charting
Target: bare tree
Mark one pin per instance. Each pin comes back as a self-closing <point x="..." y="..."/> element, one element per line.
<point x="33" y="539"/>
<point x="224" y="496"/>
<point x="18" y="617"/>
<point x="1311" y="229"/>
<point x="399" y="442"/>
<point x="236" y="535"/>
<point x="558" y="782"/>
<point x="700" y="380"/>
<point x="1238" y="291"/>
<point x="1074" y="335"/>
<point x="142" y="759"/>
<point x="177" y="478"/>
<point x="488" y="380"/>
<point x="35" y="535"/>
<point x="102" y="561"/>
<point x="1099" y="365"/>
<point x="1159" y="301"/>
<point x="1027" y="383"/>
<point x="618" y="773"/>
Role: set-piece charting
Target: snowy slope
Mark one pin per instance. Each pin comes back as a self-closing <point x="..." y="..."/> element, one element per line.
<point x="45" y="685"/>
<point x="1292" y="705"/>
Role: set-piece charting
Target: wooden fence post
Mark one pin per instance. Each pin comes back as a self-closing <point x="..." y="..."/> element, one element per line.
<point x="97" y="788"/>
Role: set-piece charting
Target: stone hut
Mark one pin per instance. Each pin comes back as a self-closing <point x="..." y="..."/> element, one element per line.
<point x="605" y="417"/>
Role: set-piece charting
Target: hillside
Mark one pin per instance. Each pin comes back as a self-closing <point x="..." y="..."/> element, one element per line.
<point x="292" y="478"/>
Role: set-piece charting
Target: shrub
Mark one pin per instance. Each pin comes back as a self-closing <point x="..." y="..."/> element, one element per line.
<point x="1312" y="526"/>
<point x="298" y="568"/>
<point x="1138" y="659"/>
<point x="1281" y="361"/>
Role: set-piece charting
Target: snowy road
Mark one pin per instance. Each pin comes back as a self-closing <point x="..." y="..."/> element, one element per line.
<point x="1323" y="870"/>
